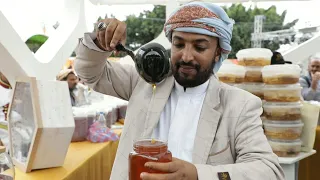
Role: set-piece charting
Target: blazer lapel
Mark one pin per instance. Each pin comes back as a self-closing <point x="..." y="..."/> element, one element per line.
<point x="158" y="100"/>
<point x="208" y="123"/>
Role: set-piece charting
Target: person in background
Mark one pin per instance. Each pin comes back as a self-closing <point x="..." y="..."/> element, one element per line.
<point x="311" y="82"/>
<point x="69" y="76"/>
<point x="5" y="95"/>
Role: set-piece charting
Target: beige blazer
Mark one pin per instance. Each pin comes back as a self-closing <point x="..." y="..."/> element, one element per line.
<point x="229" y="137"/>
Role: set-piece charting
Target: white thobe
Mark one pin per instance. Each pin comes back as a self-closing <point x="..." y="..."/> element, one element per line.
<point x="179" y="120"/>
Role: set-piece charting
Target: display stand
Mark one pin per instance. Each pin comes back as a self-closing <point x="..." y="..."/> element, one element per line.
<point x="289" y="164"/>
<point x="41" y="124"/>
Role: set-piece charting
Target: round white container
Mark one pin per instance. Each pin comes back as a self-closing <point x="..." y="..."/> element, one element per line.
<point x="231" y="73"/>
<point x="282" y="93"/>
<point x="254" y="57"/>
<point x="285" y="148"/>
<point x="283" y="130"/>
<point x="281" y="74"/>
<point x="254" y="88"/>
<point x="282" y="111"/>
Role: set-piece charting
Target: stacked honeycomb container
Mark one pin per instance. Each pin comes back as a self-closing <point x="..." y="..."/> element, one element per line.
<point x="278" y="87"/>
<point x="254" y="59"/>
<point x="232" y="74"/>
<point x="282" y="108"/>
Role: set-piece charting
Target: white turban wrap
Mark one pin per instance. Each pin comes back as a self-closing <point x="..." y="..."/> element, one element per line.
<point x="203" y="18"/>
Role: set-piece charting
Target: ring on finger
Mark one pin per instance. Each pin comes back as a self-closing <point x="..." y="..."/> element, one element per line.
<point x="102" y="26"/>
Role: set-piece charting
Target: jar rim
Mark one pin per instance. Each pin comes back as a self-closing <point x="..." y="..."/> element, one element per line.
<point x="158" y="142"/>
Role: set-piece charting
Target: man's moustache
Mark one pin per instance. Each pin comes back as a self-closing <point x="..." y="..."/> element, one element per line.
<point x="189" y="64"/>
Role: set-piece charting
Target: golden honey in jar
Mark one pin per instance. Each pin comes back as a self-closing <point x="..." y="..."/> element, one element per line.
<point x="147" y="150"/>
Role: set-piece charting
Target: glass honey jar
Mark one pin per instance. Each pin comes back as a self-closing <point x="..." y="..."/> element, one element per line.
<point x="147" y="150"/>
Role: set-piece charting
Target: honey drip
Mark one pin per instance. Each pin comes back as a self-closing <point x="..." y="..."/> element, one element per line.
<point x="154" y="86"/>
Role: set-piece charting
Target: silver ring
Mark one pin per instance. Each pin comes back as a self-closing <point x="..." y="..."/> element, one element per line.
<point x="102" y="26"/>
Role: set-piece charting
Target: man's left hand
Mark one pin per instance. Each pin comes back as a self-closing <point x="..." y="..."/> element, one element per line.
<point x="177" y="169"/>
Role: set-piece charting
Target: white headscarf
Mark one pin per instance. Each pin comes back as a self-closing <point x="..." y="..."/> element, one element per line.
<point x="203" y="18"/>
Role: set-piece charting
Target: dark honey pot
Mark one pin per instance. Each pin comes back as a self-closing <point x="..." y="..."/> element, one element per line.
<point x="151" y="62"/>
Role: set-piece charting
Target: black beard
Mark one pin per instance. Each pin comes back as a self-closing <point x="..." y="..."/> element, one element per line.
<point x="201" y="77"/>
<point x="73" y="88"/>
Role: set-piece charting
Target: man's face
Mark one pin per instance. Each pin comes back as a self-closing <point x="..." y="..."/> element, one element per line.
<point x="314" y="66"/>
<point x="193" y="57"/>
<point x="72" y="81"/>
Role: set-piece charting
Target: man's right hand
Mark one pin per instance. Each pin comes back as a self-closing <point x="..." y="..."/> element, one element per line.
<point x="115" y="32"/>
<point x="315" y="80"/>
<point x="316" y="76"/>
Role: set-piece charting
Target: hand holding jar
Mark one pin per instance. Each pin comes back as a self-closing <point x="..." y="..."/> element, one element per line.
<point x="177" y="169"/>
<point x="151" y="160"/>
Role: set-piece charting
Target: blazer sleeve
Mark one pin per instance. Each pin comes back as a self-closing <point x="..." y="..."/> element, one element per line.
<point x="254" y="156"/>
<point x="110" y="78"/>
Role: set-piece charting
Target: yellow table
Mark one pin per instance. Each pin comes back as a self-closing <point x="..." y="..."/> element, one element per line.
<point x="84" y="161"/>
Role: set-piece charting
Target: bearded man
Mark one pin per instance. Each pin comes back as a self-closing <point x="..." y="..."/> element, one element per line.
<point x="213" y="130"/>
<point x="311" y="82"/>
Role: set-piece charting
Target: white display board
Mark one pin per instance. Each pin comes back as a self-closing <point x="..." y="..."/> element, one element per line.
<point x="18" y="61"/>
<point x="41" y="124"/>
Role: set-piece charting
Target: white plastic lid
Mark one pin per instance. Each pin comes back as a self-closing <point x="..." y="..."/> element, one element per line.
<point x="283" y="124"/>
<point x="233" y="84"/>
<point x="283" y="87"/>
<point x="253" y="68"/>
<point x="297" y="142"/>
<point x="253" y="86"/>
<point x="283" y="69"/>
<point x="254" y="53"/>
<point x="238" y="85"/>
<point x="282" y="105"/>
<point x="232" y="69"/>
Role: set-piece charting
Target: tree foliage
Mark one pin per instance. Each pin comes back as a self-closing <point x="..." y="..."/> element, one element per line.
<point x="149" y="24"/>
<point x="244" y="26"/>
<point x="35" y="42"/>
<point x="146" y="27"/>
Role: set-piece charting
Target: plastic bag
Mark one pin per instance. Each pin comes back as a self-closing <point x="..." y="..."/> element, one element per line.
<point x="99" y="132"/>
